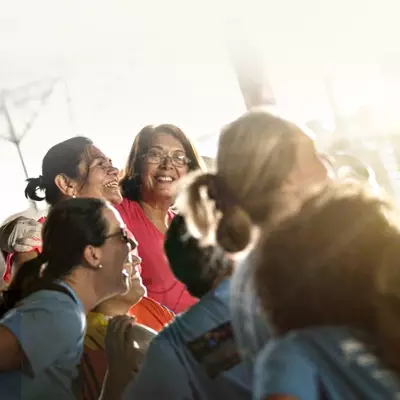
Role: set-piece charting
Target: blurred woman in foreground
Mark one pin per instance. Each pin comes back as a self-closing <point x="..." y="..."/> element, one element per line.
<point x="328" y="279"/>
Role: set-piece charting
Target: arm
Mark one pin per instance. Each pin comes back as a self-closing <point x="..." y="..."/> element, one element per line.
<point x="11" y="354"/>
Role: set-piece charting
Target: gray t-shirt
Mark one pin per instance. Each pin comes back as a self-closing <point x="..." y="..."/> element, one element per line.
<point x="50" y="327"/>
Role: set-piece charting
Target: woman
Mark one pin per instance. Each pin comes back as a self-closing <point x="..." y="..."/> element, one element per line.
<point x="159" y="157"/>
<point x="195" y="370"/>
<point x="41" y="340"/>
<point x="75" y="168"/>
<point x="263" y="164"/>
<point x="328" y="279"/>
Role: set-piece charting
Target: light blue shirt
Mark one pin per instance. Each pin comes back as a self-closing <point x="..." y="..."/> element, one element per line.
<point x="170" y="370"/>
<point x="50" y="328"/>
<point x="334" y="360"/>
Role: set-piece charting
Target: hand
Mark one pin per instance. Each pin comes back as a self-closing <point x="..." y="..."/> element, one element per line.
<point x="119" y="349"/>
<point x="25" y="235"/>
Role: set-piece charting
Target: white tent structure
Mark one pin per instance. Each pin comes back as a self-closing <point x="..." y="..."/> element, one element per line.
<point x="105" y="69"/>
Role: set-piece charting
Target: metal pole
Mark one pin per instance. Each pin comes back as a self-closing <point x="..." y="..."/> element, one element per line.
<point x="16" y="141"/>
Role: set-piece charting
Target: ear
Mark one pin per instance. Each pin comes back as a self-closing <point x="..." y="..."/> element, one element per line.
<point x="67" y="186"/>
<point x="92" y="256"/>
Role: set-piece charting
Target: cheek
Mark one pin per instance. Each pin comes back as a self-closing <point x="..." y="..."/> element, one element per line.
<point x="182" y="171"/>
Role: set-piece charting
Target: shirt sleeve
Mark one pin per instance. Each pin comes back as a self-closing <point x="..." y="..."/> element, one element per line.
<point x="283" y="368"/>
<point x="162" y="375"/>
<point x="46" y="325"/>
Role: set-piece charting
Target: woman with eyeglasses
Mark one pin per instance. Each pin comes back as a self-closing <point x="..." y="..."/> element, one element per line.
<point x="159" y="157"/>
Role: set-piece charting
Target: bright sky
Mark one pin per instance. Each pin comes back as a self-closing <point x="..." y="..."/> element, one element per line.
<point x="129" y="63"/>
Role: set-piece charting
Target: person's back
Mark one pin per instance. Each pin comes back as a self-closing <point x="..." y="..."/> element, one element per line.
<point x="170" y="358"/>
<point x="195" y="357"/>
<point x="333" y="363"/>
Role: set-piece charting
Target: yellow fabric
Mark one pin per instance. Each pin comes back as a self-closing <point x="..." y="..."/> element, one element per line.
<point x="96" y="331"/>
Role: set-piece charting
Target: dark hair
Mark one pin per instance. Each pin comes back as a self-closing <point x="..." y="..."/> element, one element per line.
<point x="131" y="179"/>
<point x="63" y="158"/>
<point x="195" y="266"/>
<point x="70" y="226"/>
<point x="335" y="263"/>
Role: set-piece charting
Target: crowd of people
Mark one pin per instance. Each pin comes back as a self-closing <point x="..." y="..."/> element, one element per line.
<point x="270" y="275"/>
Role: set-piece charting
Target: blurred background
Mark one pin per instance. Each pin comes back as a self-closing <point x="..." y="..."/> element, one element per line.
<point x="104" y="69"/>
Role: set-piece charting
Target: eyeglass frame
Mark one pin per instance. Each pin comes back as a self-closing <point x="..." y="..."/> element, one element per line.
<point x="164" y="156"/>
<point x="123" y="233"/>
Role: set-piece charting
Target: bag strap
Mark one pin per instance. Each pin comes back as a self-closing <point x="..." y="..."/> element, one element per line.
<point x="40" y="284"/>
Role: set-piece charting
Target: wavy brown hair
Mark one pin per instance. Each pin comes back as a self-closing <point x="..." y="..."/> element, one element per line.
<point x="131" y="176"/>
<point x="335" y="262"/>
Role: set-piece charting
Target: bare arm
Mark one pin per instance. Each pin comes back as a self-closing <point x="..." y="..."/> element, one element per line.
<point x="11" y="354"/>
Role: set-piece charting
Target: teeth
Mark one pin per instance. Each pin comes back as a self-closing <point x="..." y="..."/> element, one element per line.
<point x="164" y="178"/>
<point x="111" y="184"/>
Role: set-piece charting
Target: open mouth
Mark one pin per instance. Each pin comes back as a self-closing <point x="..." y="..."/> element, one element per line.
<point x="164" y="179"/>
<point x="112" y="185"/>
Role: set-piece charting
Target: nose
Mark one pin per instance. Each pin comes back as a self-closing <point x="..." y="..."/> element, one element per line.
<point x="113" y="171"/>
<point x="166" y="162"/>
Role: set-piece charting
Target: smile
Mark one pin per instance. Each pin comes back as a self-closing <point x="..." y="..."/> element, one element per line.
<point x="164" y="178"/>
<point x="113" y="184"/>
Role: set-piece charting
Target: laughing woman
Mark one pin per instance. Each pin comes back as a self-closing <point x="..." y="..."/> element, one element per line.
<point x="159" y="157"/>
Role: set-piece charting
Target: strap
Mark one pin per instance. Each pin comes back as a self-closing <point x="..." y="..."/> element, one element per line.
<point x="41" y="284"/>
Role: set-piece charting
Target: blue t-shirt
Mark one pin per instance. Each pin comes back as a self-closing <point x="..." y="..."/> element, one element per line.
<point x="333" y="361"/>
<point x="50" y="327"/>
<point x="170" y="370"/>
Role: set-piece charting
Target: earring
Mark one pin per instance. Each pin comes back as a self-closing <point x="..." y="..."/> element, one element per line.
<point x="73" y="196"/>
<point x="100" y="266"/>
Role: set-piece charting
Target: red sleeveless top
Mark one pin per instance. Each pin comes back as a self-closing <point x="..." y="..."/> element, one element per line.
<point x="157" y="276"/>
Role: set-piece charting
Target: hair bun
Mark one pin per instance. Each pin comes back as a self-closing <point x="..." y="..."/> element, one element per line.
<point x="234" y="230"/>
<point x="34" y="184"/>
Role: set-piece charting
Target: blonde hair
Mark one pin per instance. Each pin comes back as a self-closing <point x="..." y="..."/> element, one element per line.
<point x="256" y="153"/>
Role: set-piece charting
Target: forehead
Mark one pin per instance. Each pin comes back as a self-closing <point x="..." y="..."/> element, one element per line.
<point x="165" y="141"/>
<point x="93" y="153"/>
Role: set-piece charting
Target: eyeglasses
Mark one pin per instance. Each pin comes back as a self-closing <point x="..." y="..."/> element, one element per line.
<point x="176" y="157"/>
<point x="123" y="234"/>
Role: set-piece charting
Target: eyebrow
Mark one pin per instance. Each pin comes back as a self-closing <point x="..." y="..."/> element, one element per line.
<point x="102" y="158"/>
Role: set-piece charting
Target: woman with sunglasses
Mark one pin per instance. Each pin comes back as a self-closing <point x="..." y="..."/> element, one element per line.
<point x="41" y="337"/>
<point x="159" y="157"/>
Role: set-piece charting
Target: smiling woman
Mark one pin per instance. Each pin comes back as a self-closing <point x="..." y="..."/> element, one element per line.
<point x="159" y="157"/>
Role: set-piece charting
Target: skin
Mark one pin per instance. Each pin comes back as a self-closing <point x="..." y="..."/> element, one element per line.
<point x="100" y="174"/>
<point x="156" y="196"/>
<point x="99" y="276"/>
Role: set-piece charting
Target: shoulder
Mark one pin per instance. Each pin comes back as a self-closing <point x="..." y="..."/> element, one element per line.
<point x="49" y="305"/>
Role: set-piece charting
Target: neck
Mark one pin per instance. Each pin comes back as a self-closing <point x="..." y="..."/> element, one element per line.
<point x="157" y="212"/>
<point x="113" y="307"/>
<point x="84" y="291"/>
